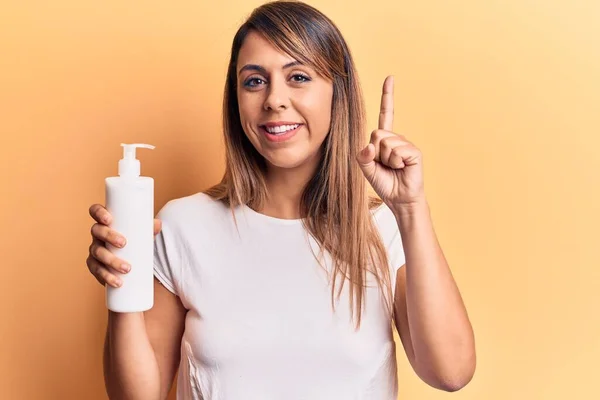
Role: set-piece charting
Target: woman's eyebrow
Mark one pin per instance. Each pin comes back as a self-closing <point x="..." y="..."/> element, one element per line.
<point x="261" y="69"/>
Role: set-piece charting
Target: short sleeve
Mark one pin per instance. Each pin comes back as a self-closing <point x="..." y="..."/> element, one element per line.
<point x="167" y="257"/>
<point x="390" y="234"/>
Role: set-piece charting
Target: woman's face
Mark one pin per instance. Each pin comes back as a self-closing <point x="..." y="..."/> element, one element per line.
<point x="285" y="107"/>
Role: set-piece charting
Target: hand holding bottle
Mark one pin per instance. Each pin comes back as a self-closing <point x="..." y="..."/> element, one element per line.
<point x="101" y="262"/>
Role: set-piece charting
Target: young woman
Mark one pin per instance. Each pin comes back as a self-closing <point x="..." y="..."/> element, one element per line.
<point x="282" y="281"/>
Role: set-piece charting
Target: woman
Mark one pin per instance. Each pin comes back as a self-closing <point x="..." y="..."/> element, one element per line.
<point x="281" y="282"/>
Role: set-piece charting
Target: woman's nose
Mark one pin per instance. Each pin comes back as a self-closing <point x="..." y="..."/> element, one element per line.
<point x="278" y="97"/>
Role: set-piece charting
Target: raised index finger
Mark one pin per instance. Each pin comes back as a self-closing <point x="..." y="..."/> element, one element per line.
<point x="386" y="114"/>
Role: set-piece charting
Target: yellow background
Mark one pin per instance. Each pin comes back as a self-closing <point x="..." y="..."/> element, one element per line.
<point x="502" y="97"/>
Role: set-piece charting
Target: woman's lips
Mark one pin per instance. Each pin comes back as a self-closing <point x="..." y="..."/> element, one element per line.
<point x="280" y="137"/>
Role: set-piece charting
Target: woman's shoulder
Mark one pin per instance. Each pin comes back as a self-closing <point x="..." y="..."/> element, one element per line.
<point x="385" y="220"/>
<point x="191" y="207"/>
<point x="381" y="210"/>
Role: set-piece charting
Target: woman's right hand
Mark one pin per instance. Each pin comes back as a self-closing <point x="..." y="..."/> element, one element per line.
<point x="101" y="262"/>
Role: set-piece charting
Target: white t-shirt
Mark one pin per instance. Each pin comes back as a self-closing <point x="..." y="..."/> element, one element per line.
<point x="260" y="324"/>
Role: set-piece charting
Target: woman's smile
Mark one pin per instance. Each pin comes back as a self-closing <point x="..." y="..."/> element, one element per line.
<point x="280" y="131"/>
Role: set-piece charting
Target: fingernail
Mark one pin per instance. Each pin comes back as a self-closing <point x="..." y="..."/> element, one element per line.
<point x="118" y="282"/>
<point x="120" y="241"/>
<point x="125" y="267"/>
<point x="105" y="219"/>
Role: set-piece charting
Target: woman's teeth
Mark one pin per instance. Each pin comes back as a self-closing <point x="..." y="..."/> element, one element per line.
<point x="280" y="129"/>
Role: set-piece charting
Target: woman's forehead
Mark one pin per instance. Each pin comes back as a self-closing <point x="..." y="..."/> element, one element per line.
<point x="258" y="50"/>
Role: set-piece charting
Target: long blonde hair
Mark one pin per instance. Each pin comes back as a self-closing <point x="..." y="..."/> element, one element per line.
<point x="335" y="201"/>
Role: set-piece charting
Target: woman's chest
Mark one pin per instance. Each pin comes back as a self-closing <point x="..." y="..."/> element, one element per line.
<point x="271" y="299"/>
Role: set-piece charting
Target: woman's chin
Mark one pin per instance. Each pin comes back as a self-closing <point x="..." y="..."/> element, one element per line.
<point x="283" y="164"/>
<point x="286" y="161"/>
<point x="292" y="158"/>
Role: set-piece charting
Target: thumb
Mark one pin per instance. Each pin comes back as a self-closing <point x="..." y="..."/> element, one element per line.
<point x="157" y="226"/>
<point x="366" y="161"/>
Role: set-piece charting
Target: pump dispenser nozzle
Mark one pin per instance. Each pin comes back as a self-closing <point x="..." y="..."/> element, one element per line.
<point x="129" y="165"/>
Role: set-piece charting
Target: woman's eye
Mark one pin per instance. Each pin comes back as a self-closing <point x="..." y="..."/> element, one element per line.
<point x="253" y="82"/>
<point x="300" y="78"/>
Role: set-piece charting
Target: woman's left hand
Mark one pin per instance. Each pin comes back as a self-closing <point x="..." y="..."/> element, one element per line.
<point x="392" y="164"/>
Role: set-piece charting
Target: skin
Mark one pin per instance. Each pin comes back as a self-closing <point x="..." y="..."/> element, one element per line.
<point x="430" y="316"/>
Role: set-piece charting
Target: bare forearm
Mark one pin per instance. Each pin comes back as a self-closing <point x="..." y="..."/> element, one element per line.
<point x="441" y="334"/>
<point x="130" y="368"/>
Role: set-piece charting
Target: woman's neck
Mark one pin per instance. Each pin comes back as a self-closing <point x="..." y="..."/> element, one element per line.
<point x="285" y="188"/>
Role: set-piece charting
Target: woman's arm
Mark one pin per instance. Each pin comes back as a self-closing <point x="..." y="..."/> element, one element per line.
<point x="141" y="352"/>
<point x="429" y="312"/>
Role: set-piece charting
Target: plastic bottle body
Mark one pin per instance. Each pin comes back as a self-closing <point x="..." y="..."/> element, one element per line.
<point x="130" y="201"/>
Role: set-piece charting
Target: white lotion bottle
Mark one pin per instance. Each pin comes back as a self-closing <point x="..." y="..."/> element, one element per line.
<point x="130" y="201"/>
